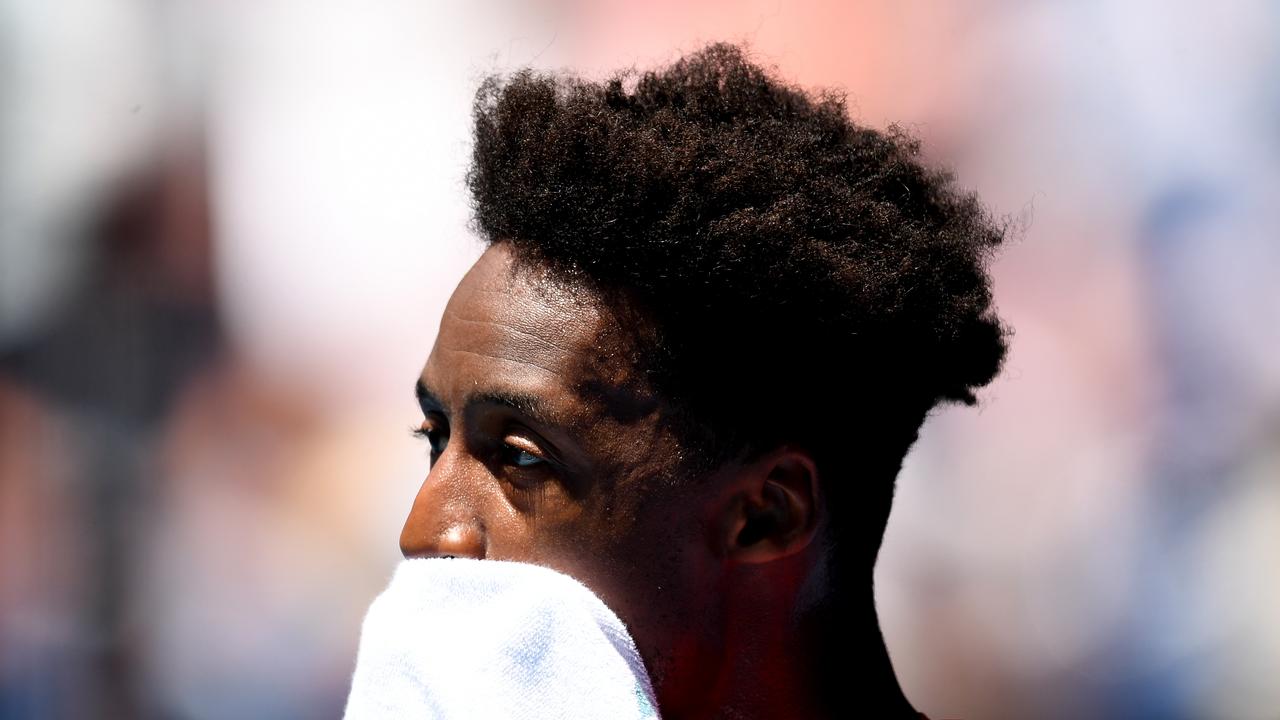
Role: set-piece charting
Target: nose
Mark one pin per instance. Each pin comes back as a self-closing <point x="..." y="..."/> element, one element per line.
<point x="445" y="520"/>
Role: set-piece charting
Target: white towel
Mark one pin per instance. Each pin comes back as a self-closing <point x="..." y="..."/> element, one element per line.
<point x="477" y="639"/>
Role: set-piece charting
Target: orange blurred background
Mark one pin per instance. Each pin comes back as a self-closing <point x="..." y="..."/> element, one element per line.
<point x="228" y="230"/>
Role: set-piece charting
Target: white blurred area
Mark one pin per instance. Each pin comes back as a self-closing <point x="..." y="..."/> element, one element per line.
<point x="228" y="230"/>
<point x="330" y="143"/>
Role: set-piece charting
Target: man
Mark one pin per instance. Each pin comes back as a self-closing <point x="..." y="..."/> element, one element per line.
<point x="712" y="316"/>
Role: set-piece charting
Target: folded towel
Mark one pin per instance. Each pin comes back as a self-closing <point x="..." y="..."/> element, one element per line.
<point x="476" y="639"/>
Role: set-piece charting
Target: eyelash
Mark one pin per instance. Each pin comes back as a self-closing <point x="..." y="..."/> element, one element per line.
<point x="427" y="435"/>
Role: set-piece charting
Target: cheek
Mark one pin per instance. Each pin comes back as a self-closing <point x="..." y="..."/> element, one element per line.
<point x="664" y="588"/>
<point x="534" y="525"/>
<point x="645" y="519"/>
<point x="604" y="549"/>
<point x="540" y="502"/>
<point x="658" y="551"/>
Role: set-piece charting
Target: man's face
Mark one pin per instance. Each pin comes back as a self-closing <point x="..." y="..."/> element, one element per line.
<point x="544" y="450"/>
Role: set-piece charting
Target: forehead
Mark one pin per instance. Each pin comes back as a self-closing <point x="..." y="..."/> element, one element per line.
<point x="510" y="326"/>
<point x="526" y="299"/>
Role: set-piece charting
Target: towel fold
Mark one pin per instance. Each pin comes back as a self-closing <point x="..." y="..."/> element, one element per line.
<point x="477" y="639"/>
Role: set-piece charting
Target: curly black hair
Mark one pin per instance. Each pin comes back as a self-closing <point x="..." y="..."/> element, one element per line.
<point x="809" y="279"/>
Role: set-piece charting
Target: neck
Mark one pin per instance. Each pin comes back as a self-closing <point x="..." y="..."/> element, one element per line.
<point x="851" y="661"/>
<point x="831" y="662"/>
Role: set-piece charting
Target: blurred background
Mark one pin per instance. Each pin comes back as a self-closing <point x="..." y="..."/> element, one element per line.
<point x="228" y="230"/>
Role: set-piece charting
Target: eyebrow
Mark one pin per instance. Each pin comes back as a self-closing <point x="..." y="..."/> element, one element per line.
<point x="531" y="406"/>
<point x="427" y="400"/>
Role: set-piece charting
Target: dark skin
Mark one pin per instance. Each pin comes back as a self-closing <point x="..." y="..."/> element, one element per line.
<point x="710" y="574"/>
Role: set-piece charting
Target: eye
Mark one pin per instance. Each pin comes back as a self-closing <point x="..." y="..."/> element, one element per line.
<point x="520" y="452"/>
<point x="519" y="457"/>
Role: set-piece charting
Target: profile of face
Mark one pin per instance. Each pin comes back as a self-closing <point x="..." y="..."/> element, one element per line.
<point x="546" y="449"/>
<point x="526" y="466"/>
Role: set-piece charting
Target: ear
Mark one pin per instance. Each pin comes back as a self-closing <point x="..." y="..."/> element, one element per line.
<point x="771" y="508"/>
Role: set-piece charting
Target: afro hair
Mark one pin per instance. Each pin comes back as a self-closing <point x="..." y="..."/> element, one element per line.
<point x="808" y="280"/>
